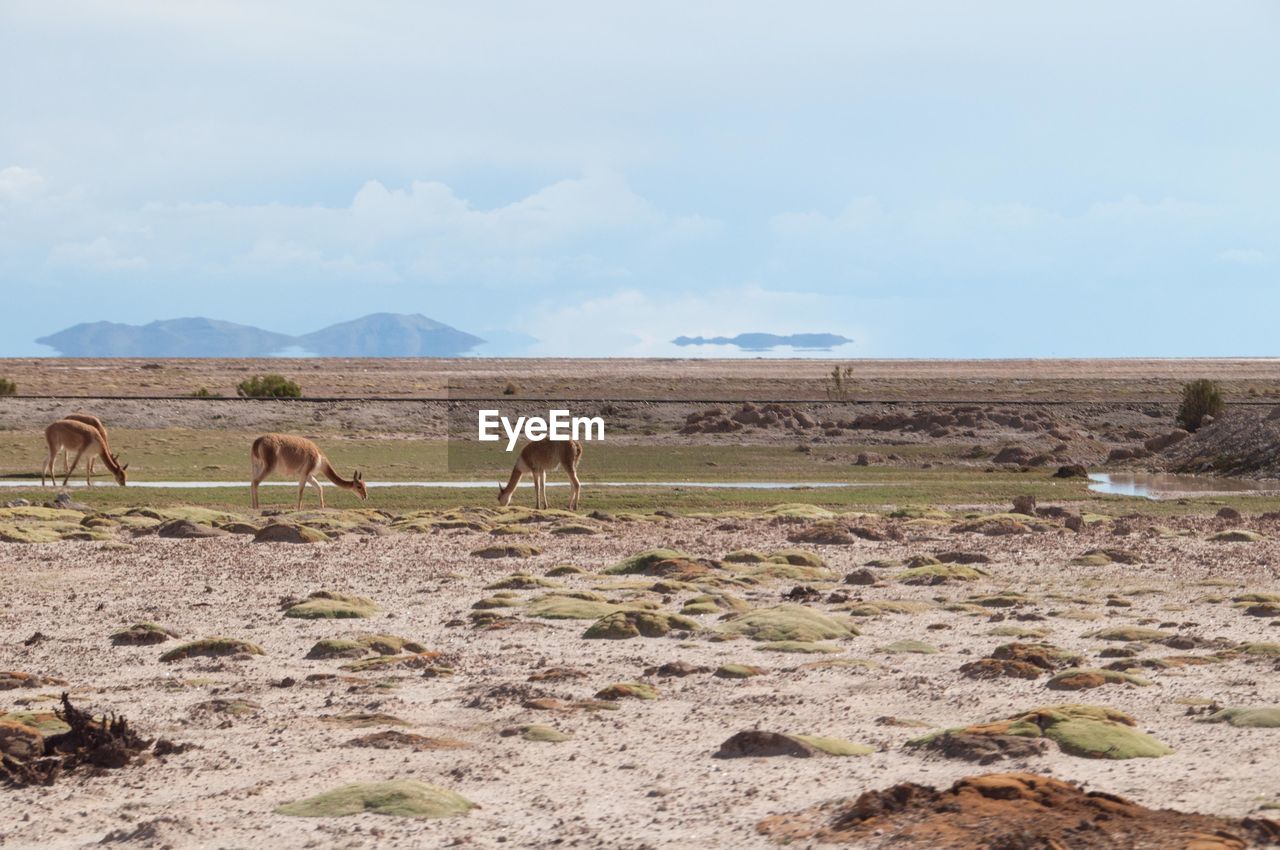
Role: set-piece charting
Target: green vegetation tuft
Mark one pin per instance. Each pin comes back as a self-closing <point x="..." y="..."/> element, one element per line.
<point x="268" y="386"/>
<point x="407" y="798"/>
<point x="1200" y="398"/>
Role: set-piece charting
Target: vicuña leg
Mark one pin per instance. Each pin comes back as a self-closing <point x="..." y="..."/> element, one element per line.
<point x="319" y="489"/>
<point x="576" y="485"/>
<point x="74" y="461"/>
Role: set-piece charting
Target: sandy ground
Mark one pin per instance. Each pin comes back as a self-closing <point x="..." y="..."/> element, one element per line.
<point x="642" y="776"/>
<point x="764" y="379"/>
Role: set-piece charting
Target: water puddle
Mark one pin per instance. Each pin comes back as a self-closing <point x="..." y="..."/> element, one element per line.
<point x="1160" y="486"/>
<point x="477" y="485"/>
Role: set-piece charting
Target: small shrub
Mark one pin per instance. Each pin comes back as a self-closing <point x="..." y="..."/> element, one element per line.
<point x="7" y="387"/>
<point x="203" y="392"/>
<point x="1200" y="399"/>
<point x="839" y="383"/>
<point x="268" y="386"/>
<point x="510" y="389"/>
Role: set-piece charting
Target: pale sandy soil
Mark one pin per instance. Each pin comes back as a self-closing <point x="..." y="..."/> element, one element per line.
<point x="766" y="379"/>
<point x="638" y="777"/>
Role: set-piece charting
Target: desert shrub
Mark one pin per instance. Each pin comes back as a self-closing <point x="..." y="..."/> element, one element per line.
<point x="268" y="386"/>
<point x="1200" y="399"/>
<point x="840" y="383"/>
<point x="7" y="387"/>
<point x="510" y="389"/>
<point x="203" y="392"/>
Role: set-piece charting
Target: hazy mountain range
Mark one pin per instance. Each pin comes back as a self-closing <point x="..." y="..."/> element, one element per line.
<point x="764" y="341"/>
<point x="375" y="335"/>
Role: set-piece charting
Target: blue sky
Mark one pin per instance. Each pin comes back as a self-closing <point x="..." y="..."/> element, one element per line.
<point x="931" y="179"/>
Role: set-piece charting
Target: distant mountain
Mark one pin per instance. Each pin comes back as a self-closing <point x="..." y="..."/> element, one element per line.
<point x="377" y="335"/>
<point x="764" y="342"/>
<point x="389" y="335"/>
<point x="167" y="338"/>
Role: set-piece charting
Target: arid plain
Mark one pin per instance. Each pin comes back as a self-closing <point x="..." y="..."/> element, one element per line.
<point x="674" y="665"/>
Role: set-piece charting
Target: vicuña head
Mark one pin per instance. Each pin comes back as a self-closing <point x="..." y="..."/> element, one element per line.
<point x="537" y="457"/>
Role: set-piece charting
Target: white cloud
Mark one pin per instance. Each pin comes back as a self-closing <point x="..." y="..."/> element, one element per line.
<point x="635" y="323"/>
<point x="101" y="254"/>
<point x="19" y="184"/>
<point x="1244" y="257"/>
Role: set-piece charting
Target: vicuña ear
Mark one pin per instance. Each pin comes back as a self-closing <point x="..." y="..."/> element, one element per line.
<point x="357" y="476"/>
<point x="123" y="468"/>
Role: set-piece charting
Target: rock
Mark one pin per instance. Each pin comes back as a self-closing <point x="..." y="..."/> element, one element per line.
<point x="984" y="749"/>
<point x="1229" y="514"/>
<point x="1012" y="454"/>
<point x="861" y="576"/>
<point x="1073" y="470"/>
<point x="869" y="459"/>
<point x="142" y="634"/>
<point x="1159" y="444"/>
<point x="185" y="529"/>
<point x="754" y="743"/>
<point x="1024" y="504"/>
<point x="398" y="797"/>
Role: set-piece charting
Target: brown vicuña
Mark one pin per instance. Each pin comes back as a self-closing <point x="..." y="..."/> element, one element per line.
<point x="301" y="457"/>
<point x="88" y="419"/>
<point x="539" y="456"/>
<point x="70" y="435"/>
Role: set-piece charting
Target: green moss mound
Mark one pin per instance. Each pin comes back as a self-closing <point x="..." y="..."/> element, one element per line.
<point x="738" y="671"/>
<point x="142" y="634"/>
<point x="802" y="647"/>
<point x="576" y="605"/>
<point x="929" y="574"/>
<point x="909" y="647"/>
<point x="642" y="563"/>
<point x="621" y="625"/>
<point x="1129" y="634"/>
<point x="406" y="798"/>
<point x="1264" y="717"/>
<point x="521" y="581"/>
<point x="835" y="746"/>
<point x="1086" y="731"/>
<point x="329" y="605"/>
<point x="1237" y="535"/>
<point x="507" y="550"/>
<point x="335" y="648"/>
<point x="787" y="622"/>
<point x="1081" y="678"/>
<point x="627" y="690"/>
<point x="212" y="647"/>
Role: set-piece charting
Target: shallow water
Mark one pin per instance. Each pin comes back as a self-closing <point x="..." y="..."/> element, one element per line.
<point x="1161" y="486"/>
<point x="471" y="485"/>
